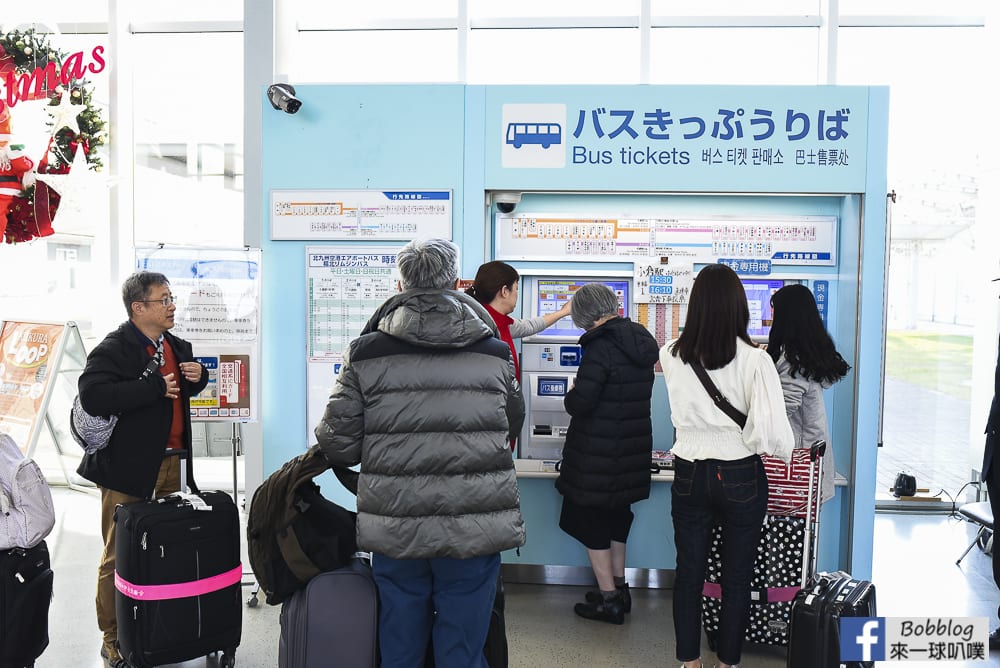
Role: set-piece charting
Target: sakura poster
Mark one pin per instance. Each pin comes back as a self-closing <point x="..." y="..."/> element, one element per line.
<point x="27" y="354"/>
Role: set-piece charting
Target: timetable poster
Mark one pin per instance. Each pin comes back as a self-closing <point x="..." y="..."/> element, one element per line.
<point x="360" y="215"/>
<point x="748" y="245"/>
<point x="344" y="290"/>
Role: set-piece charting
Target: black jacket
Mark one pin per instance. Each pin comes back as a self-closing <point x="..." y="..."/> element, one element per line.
<point x="610" y="439"/>
<point x="110" y="384"/>
<point x="992" y="424"/>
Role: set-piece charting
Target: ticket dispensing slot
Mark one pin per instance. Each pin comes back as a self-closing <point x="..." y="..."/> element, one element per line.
<point x="550" y="387"/>
<point x="546" y="420"/>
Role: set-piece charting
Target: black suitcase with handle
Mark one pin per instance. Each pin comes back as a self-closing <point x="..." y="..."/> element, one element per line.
<point x="25" y="595"/>
<point x="816" y="614"/>
<point x="178" y="576"/>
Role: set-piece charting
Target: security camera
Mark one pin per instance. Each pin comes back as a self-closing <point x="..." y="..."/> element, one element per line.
<point x="507" y="201"/>
<point x="282" y="96"/>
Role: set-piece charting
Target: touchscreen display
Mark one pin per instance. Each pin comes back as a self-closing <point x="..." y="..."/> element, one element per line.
<point x="554" y="293"/>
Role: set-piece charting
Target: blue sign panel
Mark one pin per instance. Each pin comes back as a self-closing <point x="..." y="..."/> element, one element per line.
<point x="750" y="267"/>
<point x="753" y="139"/>
<point x="552" y="387"/>
<point x="821" y="291"/>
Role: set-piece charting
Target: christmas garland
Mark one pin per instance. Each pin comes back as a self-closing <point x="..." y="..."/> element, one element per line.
<point x="24" y="52"/>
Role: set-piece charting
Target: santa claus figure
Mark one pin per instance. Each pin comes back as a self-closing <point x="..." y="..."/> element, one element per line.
<point x="13" y="167"/>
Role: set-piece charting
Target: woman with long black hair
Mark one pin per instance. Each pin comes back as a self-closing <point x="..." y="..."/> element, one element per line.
<point x="718" y="473"/>
<point x="807" y="363"/>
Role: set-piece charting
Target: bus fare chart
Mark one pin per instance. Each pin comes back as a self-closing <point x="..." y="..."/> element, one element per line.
<point x="344" y="290"/>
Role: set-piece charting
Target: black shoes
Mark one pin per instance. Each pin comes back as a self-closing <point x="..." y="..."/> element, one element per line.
<point x="995" y="639"/>
<point x="610" y="610"/>
<point x="594" y="596"/>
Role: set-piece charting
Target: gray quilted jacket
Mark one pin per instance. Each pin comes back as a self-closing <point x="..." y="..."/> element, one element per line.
<point x="427" y="402"/>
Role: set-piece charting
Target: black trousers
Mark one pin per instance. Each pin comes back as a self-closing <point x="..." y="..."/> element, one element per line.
<point x="992" y="477"/>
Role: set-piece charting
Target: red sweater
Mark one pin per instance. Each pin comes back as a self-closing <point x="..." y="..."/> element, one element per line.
<point x="503" y="327"/>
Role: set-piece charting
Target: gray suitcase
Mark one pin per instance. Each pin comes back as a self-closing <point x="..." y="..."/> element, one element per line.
<point x="332" y="621"/>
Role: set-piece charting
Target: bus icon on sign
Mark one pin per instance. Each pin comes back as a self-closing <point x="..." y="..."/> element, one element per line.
<point x="544" y="134"/>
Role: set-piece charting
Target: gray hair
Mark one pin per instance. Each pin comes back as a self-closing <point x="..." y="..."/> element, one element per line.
<point x="431" y="263"/>
<point x="136" y="287"/>
<point x="592" y="302"/>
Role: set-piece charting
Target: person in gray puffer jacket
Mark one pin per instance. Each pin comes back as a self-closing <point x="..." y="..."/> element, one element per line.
<point x="427" y="402"/>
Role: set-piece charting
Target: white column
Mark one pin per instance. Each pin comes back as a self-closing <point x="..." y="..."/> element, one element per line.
<point x="258" y="72"/>
<point x="987" y="265"/>
<point x="117" y="251"/>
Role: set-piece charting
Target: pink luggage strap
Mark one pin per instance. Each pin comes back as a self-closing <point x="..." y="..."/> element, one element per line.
<point x="774" y="594"/>
<point x="179" y="590"/>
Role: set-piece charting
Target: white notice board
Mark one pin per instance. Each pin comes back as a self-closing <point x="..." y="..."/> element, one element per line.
<point x="218" y="312"/>
<point x="372" y="215"/>
<point x="344" y="288"/>
<point x="764" y="241"/>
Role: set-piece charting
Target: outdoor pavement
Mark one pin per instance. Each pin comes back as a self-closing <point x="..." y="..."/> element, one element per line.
<point x="925" y="433"/>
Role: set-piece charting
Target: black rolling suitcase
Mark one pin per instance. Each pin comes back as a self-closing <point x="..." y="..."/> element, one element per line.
<point x="25" y="595"/>
<point x="816" y="614"/>
<point x="332" y="621"/>
<point x="178" y="576"/>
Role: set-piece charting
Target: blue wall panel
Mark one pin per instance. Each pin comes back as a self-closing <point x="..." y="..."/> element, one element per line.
<point x="455" y="137"/>
<point x="344" y="137"/>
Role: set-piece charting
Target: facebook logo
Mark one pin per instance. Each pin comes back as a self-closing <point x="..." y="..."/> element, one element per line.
<point x="862" y="639"/>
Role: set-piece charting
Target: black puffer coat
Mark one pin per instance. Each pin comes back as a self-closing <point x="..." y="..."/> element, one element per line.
<point x="610" y="439"/>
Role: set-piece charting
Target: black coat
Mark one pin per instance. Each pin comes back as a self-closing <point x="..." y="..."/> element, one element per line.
<point x="609" y="444"/>
<point x="110" y="384"/>
<point x="992" y="424"/>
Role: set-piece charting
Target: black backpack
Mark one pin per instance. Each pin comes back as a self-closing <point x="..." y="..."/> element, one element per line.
<point x="293" y="532"/>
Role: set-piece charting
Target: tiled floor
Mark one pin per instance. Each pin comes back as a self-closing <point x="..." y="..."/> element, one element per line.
<point x="915" y="574"/>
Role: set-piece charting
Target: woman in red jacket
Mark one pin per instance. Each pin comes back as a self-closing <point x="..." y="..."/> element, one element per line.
<point x="495" y="288"/>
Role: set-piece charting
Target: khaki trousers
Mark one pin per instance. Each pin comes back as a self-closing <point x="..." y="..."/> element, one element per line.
<point x="168" y="481"/>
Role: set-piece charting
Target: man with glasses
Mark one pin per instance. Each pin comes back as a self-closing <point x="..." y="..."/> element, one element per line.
<point x="153" y="416"/>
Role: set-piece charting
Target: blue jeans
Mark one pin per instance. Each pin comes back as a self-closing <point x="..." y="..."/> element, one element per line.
<point x="734" y="495"/>
<point x="411" y="591"/>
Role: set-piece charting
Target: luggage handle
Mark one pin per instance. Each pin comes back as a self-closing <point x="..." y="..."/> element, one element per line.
<point x="187" y="472"/>
<point x="811" y="538"/>
<point x="817" y="450"/>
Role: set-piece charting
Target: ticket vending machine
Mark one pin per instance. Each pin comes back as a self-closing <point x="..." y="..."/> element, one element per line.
<point x="549" y="361"/>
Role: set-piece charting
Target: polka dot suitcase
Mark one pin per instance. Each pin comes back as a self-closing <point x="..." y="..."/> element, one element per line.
<point x="786" y="552"/>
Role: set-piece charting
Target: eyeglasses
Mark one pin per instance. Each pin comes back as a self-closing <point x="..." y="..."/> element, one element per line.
<point x="166" y="301"/>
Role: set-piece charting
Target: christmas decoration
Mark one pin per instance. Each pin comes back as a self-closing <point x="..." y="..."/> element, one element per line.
<point x="13" y="166"/>
<point x="64" y="114"/>
<point x="32" y="69"/>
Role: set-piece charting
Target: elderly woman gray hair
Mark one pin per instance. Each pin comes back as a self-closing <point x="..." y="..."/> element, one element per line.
<point x="592" y="302"/>
<point x="430" y="263"/>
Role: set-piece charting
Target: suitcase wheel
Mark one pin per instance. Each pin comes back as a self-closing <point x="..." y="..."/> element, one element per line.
<point x="253" y="600"/>
<point x="227" y="661"/>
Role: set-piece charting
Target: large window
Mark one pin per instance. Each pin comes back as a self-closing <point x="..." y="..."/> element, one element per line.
<point x="189" y="139"/>
<point x="933" y="74"/>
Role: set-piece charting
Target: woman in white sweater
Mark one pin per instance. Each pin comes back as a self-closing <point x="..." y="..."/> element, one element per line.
<point x="807" y="363"/>
<point x="718" y="474"/>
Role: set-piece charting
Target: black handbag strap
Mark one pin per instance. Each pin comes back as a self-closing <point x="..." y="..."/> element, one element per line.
<point x="720" y="401"/>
